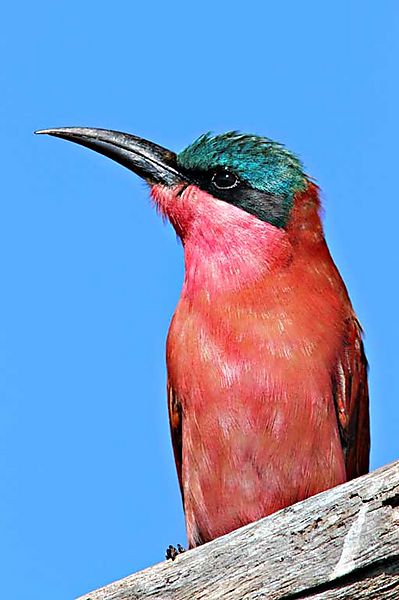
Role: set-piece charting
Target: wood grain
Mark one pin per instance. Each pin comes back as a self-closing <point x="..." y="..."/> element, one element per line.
<point x="343" y="543"/>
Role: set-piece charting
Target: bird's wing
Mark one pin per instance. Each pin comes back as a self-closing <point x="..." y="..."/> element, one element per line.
<point x="175" y="420"/>
<point x="352" y="401"/>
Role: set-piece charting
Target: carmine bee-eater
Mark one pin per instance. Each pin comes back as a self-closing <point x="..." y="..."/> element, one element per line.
<point x="267" y="377"/>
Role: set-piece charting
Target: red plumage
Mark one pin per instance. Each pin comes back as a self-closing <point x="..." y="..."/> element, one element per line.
<point x="267" y="378"/>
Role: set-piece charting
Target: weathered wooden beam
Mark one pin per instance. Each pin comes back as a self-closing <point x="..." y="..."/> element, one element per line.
<point x="343" y="543"/>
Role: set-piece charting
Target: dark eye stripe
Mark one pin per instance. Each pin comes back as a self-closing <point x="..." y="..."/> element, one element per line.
<point x="263" y="205"/>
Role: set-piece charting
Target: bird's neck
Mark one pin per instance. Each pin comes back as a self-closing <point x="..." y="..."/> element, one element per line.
<point x="227" y="250"/>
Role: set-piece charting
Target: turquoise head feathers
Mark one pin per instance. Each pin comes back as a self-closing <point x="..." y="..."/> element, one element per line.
<point x="272" y="172"/>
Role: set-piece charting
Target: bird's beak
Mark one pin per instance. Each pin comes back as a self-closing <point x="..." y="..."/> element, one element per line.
<point x="155" y="164"/>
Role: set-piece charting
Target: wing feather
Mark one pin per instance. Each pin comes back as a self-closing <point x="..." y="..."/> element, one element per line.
<point x="175" y="420"/>
<point x="351" y="398"/>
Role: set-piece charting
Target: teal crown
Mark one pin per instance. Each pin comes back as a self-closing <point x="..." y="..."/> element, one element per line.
<point x="264" y="164"/>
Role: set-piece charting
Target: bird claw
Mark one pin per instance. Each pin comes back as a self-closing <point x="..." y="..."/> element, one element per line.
<point x="172" y="552"/>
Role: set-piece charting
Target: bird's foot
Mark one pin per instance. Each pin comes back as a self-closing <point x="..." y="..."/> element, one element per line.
<point x="172" y="552"/>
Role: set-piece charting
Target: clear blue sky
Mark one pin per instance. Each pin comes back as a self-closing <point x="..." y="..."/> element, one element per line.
<point x="90" y="275"/>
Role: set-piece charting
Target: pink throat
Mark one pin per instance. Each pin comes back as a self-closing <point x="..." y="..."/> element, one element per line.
<point x="225" y="248"/>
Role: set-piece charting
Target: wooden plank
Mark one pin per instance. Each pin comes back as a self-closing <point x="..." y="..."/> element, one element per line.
<point x="343" y="543"/>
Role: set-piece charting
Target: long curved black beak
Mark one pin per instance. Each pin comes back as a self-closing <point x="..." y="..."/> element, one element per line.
<point x="153" y="163"/>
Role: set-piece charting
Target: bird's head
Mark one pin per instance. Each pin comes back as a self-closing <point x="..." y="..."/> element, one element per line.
<point x="223" y="193"/>
<point x="253" y="173"/>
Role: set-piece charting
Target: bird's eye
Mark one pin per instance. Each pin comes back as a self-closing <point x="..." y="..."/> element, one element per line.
<point x="224" y="179"/>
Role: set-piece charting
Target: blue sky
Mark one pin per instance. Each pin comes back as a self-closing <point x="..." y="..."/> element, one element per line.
<point x="90" y="274"/>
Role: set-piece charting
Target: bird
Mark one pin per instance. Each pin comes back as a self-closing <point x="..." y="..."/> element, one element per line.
<point x="266" y="369"/>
